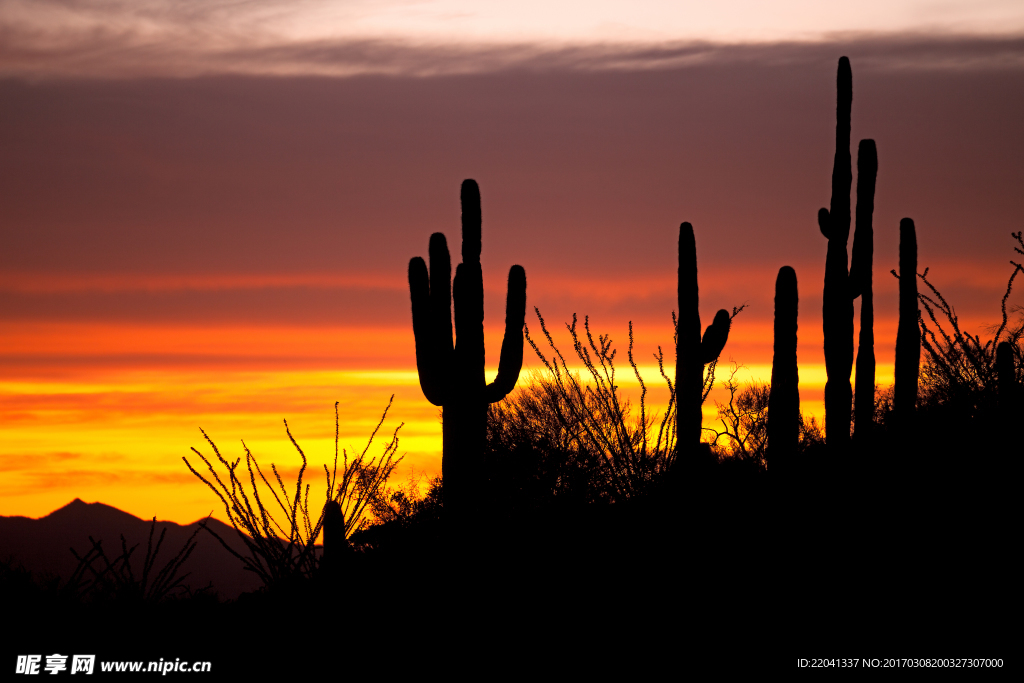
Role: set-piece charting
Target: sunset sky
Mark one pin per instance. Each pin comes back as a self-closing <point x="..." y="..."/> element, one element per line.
<point x="208" y="208"/>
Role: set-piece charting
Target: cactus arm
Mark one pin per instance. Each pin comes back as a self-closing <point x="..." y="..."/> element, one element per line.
<point x="863" y="237"/>
<point x="441" y="298"/>
<point x="824" y="222"/>
<point x="511" y="362"/>
<point x="715" y="336"/>
<point x="426" y="358"/>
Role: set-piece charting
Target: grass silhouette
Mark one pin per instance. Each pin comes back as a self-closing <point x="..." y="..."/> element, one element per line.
<point x="115" y="579"/>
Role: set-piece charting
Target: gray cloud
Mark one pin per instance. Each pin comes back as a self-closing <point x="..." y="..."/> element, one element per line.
<point x="114" y="39"/>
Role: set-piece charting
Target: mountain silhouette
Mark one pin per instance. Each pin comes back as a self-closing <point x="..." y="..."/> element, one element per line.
<point x="43" y="545"/>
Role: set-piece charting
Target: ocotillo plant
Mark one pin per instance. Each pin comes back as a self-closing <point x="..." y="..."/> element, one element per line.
<point x="784" y="400"/>
<point x="452" y="373"/>
<point x="908" y="333"/>
<point x="692" y="352"/>
<point x="842" y="286"/>
<point x="860" y="284"/>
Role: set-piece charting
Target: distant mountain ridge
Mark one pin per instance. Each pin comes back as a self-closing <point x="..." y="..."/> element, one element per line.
<point x="44" y="545"/>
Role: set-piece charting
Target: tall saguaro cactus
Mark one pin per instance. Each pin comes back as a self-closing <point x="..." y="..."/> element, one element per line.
<point x="908" y="333"/>
<point x="837" y="305"/>
<point x="693" y="352"/>
<point x="784" y="399"/>
<point x="452" y="372"/>
<point x="860" y="284"/>
<point x="842" y="286"/>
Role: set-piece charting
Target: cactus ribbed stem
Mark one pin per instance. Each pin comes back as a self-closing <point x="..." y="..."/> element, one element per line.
<point x="837" y="302"/>
<point x="908" y="333"/>
<point x="861" y="285"/>
<point x="784" y="399"/>
<point x="692" y="351"/>
<point x="1005" y="376"/>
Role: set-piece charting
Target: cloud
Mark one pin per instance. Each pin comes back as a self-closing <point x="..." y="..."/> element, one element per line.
<point x="45" y="39"/>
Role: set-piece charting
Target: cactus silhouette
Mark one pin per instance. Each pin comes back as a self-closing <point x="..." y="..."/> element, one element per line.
<point x="1006" y="384"/>
<point x="784" y="399"/>
<point x="861" y="285"/>
<point x="452" y="373"/>
<point x="837" y="304"/>
<point x="908" y="333"/>
<point x="692" y="352"/>
<point x="1005" y="376"/>
<point x="842" y="286"/>
<point x="335" y="543"/>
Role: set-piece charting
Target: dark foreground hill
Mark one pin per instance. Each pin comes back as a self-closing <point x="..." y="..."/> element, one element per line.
<point x="43" y="546"/>
<point x="733" y="572"/>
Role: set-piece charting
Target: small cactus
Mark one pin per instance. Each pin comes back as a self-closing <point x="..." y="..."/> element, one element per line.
<point x="693" y="352"/>
<point x="908" y="333"/>
<point x="452" y="372"/>
<point x="1005" y="376"/>
<point x="335" y="543"/>
<point x="784" y="399"/>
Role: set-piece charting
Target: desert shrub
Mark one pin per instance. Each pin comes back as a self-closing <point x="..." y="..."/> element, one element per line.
<point x="283" y="548"/>
<point x="403" y="501"/>
<point x="585" y="427"/>
<point x="958" y="375"/>
<point x="744" y="420"/>
<point x="533" y="455"/>
<point x="405" y="519"/>
<point x="571" y="436"/>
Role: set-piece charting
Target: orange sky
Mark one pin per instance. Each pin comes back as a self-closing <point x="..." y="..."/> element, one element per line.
<point x="226" y="251"/>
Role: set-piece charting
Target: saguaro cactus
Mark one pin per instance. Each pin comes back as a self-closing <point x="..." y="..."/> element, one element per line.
<point x="842" y="286"/>
<point x="452" y="372"/>
<point x="908" y="333"/>
<point x="837" y="304"/>
<point x="693" y="352"/>
<point x="1005" y="375"/>
<point x="860" y="284"/>
<point x="784" y="399"/>
<point x="335" y="543"/>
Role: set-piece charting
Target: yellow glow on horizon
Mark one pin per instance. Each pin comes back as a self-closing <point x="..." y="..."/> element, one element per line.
<point x="97" y="431"/>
